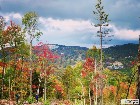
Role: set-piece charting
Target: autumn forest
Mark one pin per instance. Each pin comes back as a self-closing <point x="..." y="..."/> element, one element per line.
<point x="32" y="74"/>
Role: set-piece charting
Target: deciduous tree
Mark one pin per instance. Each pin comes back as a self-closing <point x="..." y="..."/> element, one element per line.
<point x="30" y="22"/>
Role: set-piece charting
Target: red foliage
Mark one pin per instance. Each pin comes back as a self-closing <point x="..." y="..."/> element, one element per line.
<point x="113" y="89"/>
<point x="17" y="67"/>
<point x="133" y="62"/>
<point x="34" y="86"/>
<point x="89" y="64"/>
<point x="124" y="85"/>
<point x="49" y="70"/>
<point x="131" y="92"/>
<point x="11" y="31"/>
<point x="43" y="51"/>
<point x="97" y="76"/>
<point x="58" y="88"/>
<point x="83" y="73"/>
<point x="88" y="67"/>
<point x="95" y="91"/>
<point x="2" y="64"/>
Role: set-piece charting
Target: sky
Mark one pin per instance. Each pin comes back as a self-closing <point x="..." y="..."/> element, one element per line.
<point x="71" y="22"/>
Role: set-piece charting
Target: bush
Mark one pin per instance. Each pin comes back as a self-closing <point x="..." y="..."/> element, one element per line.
<point x="47" y="102"/>
<point x="30" y="99"/>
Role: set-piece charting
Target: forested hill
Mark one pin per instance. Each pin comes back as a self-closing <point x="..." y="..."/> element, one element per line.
<point x="122" y="51"/>
<point x="116" y="52"/>
<point x="71" y="54"/>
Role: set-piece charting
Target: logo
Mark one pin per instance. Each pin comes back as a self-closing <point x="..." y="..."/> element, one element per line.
<point x="129" y="101"/>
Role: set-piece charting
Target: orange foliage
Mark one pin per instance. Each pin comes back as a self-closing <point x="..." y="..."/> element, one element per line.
<point x="124" y="85"/>
<point x="83" y="73"/>
<point x="58" y="86"/>
<point x="106" y="92"/>
<point x="98" y="76"/>
<point x="132" y="91"/>
<point x="113" y="89"/>
<point x="89" y="65"/>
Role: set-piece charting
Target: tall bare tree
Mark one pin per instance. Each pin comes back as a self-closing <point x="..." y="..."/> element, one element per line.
<point x="102" y="22"/>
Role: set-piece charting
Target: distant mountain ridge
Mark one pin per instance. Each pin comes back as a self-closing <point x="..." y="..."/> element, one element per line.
<point x="71" y="54"/>
<point x="117" y="51"/>
<point x="123" y="53"/>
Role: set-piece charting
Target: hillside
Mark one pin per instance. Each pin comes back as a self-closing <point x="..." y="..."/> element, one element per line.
<point x="122" y="53"/>
<point x="70" y="54"/>
<point x="119" y="52"/>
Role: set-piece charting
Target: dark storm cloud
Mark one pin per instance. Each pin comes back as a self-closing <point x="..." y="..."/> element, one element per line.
<point x="122" y="13"/>
<point x="50" y="8"/>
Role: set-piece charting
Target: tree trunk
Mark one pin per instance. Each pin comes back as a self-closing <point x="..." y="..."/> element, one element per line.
<point x="2" y="88"/>
<point x="3" y="70"/>
<point x="96" y="83"/>
<point x="138" y="76"/>
<point x="90" y="100"/>
<point x="30" y="67"/>
<point x="138" y="84"/>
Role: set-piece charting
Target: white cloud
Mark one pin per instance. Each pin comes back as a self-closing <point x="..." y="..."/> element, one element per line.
<point x="67" y="31"/>
<point x="7" y="18"/>
<point x="70" y="32"/>
<point x="16" y="17"/>
<point x="66" y="24"/>
<point x="74" y="32"/>
<point x="128" y="34"/>
<point x="124" y="33"/>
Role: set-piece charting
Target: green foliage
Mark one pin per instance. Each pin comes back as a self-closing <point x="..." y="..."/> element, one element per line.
<point x="47" y="102"/>
<point x="78" y="102"/>
<point x="31" y="99"/>
<point x="30" y="21"/>
<point x="93" y="53"/>
<point x="126" y="54"/>
<point x="2" y="26"/>
<point x="113" y="81"/>
<point x="100" y="13"/>
<point x="23" y="50"/>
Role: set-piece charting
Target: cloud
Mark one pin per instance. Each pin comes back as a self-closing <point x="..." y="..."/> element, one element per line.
<point x="127" y="34"/>
<point x="124" y="33"/>
<point x="67" y="31"/>
<point x="79" y="32"/>
<point x="66" y="24"/>
<point x="123" y="13"/>
<point x="16" y="17"/>
<point x="49" y="8"/>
